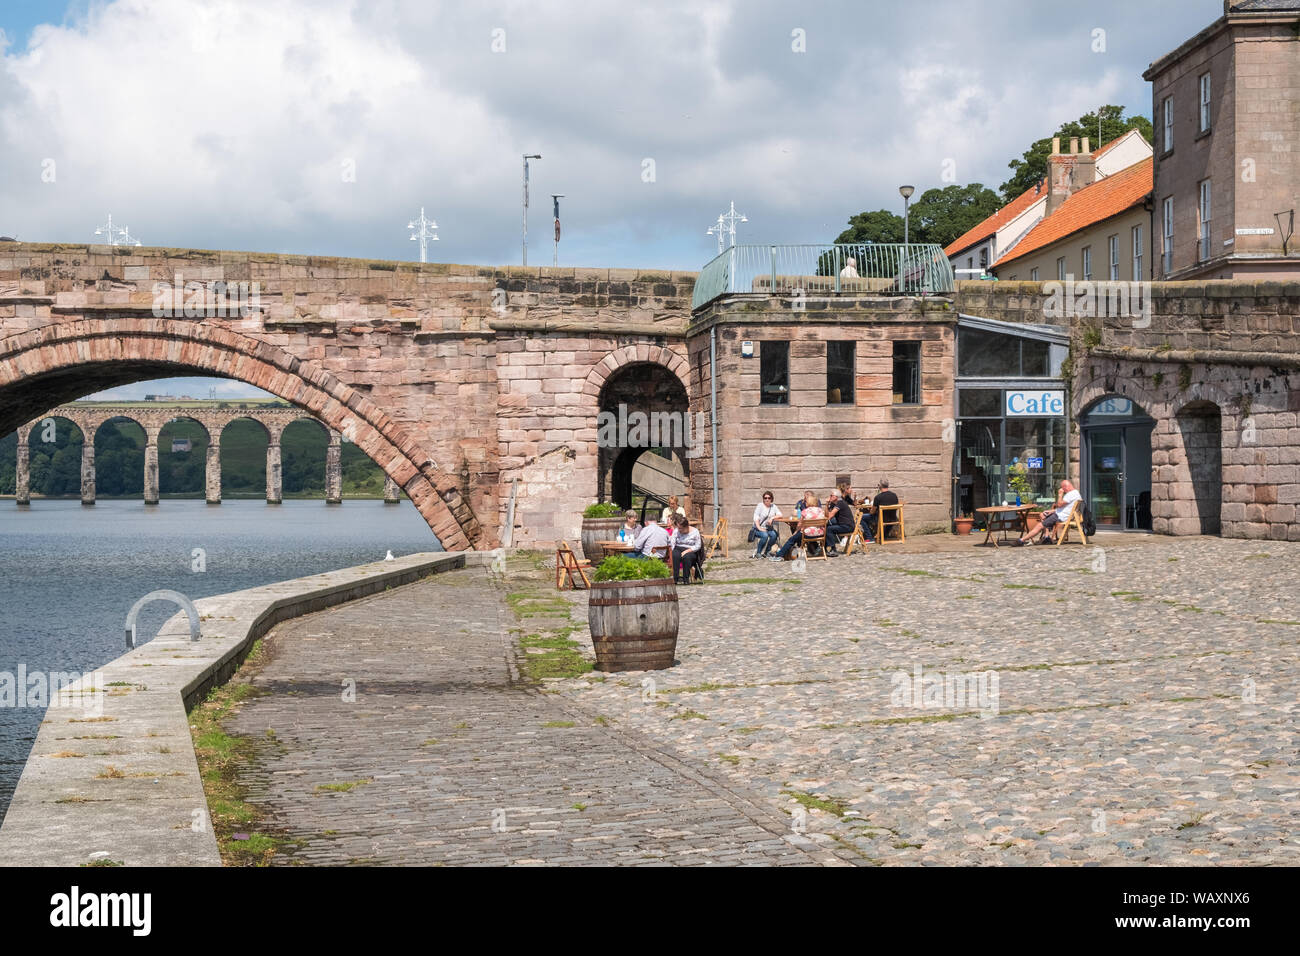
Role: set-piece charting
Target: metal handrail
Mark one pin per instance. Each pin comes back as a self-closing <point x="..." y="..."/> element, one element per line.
<point x="818" y="269"/>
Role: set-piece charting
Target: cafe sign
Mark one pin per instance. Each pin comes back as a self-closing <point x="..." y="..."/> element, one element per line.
<point x="1034" y="403"/>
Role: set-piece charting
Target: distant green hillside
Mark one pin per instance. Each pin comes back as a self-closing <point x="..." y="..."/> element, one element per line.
<point x="119" y="462"/>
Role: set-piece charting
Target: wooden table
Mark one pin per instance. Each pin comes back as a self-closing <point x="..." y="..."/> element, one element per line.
<point x="616" y="547"/>
<point x="1005" y="518"/>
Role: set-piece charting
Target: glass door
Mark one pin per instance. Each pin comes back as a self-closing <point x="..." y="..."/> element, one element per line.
<point x="1106" y="476"/>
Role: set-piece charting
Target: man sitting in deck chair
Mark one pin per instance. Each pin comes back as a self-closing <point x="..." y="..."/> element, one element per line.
<point x="1056" y="514"/>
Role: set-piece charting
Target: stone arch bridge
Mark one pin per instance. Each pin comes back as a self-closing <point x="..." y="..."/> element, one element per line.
<point x="213" y="419"/>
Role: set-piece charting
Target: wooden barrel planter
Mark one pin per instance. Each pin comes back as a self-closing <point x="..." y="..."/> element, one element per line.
<point x="633" y="624"/>
<point x="596" y="530"/>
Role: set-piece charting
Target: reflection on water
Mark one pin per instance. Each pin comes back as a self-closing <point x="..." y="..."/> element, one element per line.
<point x="69" y="575"/>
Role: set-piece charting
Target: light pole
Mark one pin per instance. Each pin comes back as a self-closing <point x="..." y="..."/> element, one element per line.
<point x="555" y="208"/>
<point x="725" y="227"/>
<point x="116" y="235"/>
<point x="906" y="193"/>
<point x="424" y="232"/>
<point x="527" y="157"/>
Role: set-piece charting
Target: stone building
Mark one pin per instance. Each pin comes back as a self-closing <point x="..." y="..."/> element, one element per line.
<point x="1226" y="108"/>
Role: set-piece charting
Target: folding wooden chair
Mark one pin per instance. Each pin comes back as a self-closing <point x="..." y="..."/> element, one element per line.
<point x="819" y="540"/>
<point x="856" y="535"/>
<point x="567" y="564"/>
<point x="1074" y="520"/>
<point x="883" y="522"/>
<point x="716" y="541"/>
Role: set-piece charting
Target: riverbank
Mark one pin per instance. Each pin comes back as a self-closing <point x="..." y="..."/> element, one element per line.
<point x="112" y="777"/>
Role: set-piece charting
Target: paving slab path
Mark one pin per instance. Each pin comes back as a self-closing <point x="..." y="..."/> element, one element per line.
<point x="395" y="730"/>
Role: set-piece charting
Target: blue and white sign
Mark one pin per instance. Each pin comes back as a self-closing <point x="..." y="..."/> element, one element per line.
<point x="1113" y="406"/>
<point x="1035" y="404"/>
<point x="1034" y="462"/>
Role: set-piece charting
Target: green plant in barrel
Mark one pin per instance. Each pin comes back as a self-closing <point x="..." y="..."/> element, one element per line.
<point x="603" y="509"/>
<point x="622" y="568"/>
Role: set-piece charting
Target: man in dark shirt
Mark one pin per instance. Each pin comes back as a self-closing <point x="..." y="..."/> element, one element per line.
<point x="883" y="497"/>
<point x="840" y="514"/>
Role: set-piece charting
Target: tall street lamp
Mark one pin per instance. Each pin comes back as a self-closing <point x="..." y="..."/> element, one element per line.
<point x="527" y="157"/>
<point x="906" y="193"/>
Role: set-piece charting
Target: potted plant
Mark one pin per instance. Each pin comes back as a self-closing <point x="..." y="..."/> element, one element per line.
<point x="600" y="522"/>
<point x="632" y="614"/>
<point x="1019" y="480"/>
<point x="964" y="524"/>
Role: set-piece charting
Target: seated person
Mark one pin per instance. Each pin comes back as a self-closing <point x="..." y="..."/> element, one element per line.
<point x="674" y="511"/>
<point x="687" y="552"/>
<point x="651" y="542"/>
<point x="850" y="270"/>
<point x="765" y="529"/>
<point x="1049" y="519"/>
<point x="630" y="527"/>
<point x="846" y="492"/>
<point x="871" y="521"/>
<point x="812" y="510"/>
<point x="841" y="521"/>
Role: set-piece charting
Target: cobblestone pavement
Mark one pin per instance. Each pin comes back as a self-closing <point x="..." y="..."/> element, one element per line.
<point x="1145" y="698"/>
<point x="444" y="757"/>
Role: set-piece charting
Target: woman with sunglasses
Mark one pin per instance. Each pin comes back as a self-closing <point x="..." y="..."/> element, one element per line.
<point x="765" y="530"/>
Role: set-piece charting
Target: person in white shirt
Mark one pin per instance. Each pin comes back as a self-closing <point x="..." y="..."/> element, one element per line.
<point x="765" y="529"/>
<point x="1053" y="516"/>
<point x="652" y="542"/>
<point x="674" y="511"/>
<point x="686" y="546"/>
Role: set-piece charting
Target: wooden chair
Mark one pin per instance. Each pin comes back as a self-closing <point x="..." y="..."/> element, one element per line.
<point x="819" y="540"/>
<point x="717" y="541"/>
<point x="856" y="535"/>
<point x="883" y="522"/>
<point x="567" y="564"/>
<point x="1073" y="520"/>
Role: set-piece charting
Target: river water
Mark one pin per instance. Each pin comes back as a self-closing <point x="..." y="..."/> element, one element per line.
<point x="69" y="575"/>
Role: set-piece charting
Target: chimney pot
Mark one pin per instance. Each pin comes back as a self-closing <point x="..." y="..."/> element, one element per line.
<point x="1056" y="146"/>
<point x="1074" y="145"/>
<point x="1085" y="145"/>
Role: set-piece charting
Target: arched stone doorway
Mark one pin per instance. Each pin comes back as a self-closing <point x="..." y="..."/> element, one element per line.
<point x="1197" y="485"/>
<point x="1116" y="464"/>
<point x="643" y="416"/>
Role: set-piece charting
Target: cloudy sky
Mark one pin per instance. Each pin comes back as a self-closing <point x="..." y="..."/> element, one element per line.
<point x="322" y="126"/>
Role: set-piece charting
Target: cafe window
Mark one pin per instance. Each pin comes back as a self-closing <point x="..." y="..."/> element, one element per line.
<point x="839" y="372"/>
<point x="984" y="354"/>
<point x="907" y="373"/>
<point x="774" y="372"/>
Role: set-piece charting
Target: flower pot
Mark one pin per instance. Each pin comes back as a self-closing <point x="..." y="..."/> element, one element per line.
<point x="633" y="624"/>
<point x="964" y="525"/>
<point x="596" y="530"/>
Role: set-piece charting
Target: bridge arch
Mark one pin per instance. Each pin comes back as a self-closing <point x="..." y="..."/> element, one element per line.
<point x="43" y="368"/>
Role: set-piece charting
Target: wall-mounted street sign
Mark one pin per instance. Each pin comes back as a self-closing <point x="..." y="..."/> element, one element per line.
<point x="1034" y="404"/>
<point x="1265" y="231"/>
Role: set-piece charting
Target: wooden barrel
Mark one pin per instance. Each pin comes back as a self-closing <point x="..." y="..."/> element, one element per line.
<point x="633" y="624"/>
<point x="596" y="530"/>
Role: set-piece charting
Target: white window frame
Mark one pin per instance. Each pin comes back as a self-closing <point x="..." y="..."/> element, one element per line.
<point x="1033" y="274"/>
<point x="1167" y="236"/>
<point x="1060" y="269"/>
<point x="1205" y="101"/>
<point x="1168" y="107"/>
<point x="1137" y="253"/>
<point x="1204" y="210"/>
<point x="1087" y="263"/>
<point x="1112" y="246"/>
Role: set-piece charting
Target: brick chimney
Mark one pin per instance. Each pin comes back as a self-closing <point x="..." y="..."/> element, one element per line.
<point x="1085" y="169"/>
<point x="1060" y="170"/>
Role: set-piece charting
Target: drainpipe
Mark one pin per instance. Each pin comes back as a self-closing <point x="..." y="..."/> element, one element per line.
<point x="713" y="411"/>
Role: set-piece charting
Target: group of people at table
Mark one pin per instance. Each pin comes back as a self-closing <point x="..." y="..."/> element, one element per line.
<point x="670" y="538"/>
<point x="838" y="513"/>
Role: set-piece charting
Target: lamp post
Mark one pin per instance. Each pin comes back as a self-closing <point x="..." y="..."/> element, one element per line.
<point x="527" y="157"/>
<point x="906" y="193"/>
<point x="423" y="232"/>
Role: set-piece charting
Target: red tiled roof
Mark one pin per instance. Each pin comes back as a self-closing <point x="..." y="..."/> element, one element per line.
<point x="996" y="221"/>
<point x="1091" y="204"/>
<point x="1008" y="212"/>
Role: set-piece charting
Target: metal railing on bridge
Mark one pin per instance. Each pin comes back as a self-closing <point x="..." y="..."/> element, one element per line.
<point x="818" y="269"/>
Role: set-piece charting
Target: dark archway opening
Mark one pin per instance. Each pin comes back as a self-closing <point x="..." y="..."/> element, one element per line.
<point x="644" y="415"/>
